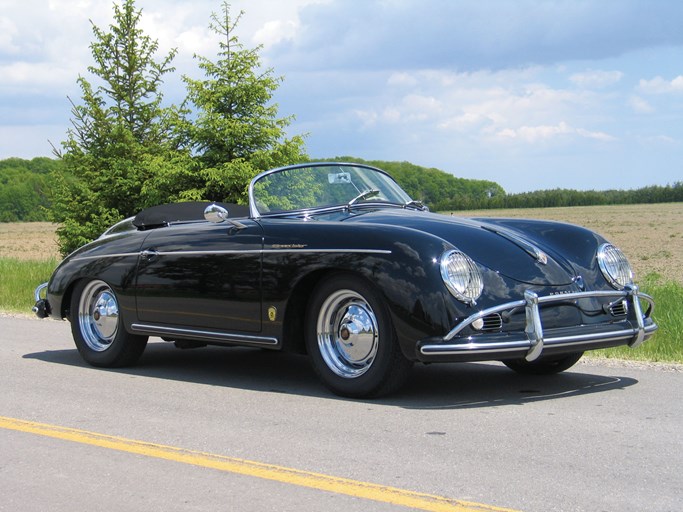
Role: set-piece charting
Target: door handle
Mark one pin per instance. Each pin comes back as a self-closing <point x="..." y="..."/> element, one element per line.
<point x="148" y="254"/>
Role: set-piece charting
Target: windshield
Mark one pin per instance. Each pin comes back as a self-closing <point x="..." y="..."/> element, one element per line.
<point x="322" y="186"/>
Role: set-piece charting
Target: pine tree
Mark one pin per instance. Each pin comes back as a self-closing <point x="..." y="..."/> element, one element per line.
<point x="126" y="151"/>
<point x="120" y="132"/>
<point x="236" y="130"/>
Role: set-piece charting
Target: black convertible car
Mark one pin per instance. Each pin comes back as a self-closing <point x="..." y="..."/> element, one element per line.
<point x="335" y="260"/>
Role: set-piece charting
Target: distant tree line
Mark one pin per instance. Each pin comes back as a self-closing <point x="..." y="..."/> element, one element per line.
<point x="435" y="188"/>
<point x="567" y="197"/>
<point x="24" y="188"/>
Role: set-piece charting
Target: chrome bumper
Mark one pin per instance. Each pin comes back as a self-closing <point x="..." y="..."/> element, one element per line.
<point x="42" y="307"/>
<point x="533" y="341"/>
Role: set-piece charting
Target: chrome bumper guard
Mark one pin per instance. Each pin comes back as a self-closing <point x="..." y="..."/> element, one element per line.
<point x="533" y="340"/>
<point x="41" y="308"/>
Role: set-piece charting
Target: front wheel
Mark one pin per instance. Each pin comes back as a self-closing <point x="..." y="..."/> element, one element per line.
<point x="97" y="327"/>
<point x="544" y="365"/>
<point x="351" y="341"/>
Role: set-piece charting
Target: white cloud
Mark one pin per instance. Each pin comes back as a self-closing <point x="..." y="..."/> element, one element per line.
<point x="8" y="30"/>
<point x="35" y="76"/>
<point x="412" y="108"/>
<point x="484" y="108"/>
<point x="659" y="85"/>
<point x="368" y="118"/>
<point x="467" y="122"/>
<point x="661" y="140"/>
<point x="184" y="27"/>
<point x="533" y="134"/>
<point x="269" y="22"/>
<point x="599" y="136"/>
<point x="195" y="40"/>
<point x="58" y="6"/>
<point x="640" y="105"/>
<point x="402" y="79"/>
<point x="275" y="31"/>
<point x="596" y="79"/>
<point x="481" y="104"/>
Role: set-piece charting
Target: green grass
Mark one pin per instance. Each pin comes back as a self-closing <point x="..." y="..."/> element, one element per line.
<point x="667" y="344"/>
<point x="18" y="279"/>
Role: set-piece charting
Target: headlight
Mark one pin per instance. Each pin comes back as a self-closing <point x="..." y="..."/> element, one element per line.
<point x="462" y="277"/>
<point x="614" y="266"/>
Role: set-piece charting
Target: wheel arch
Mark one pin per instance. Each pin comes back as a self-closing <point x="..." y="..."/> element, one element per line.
<point x="68" y="294"/>
<point x="65" y="309"/>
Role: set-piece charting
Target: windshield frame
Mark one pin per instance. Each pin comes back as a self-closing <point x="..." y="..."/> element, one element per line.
<point x="256" y="214"/>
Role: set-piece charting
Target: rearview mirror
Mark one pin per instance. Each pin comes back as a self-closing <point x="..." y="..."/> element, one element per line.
<point x="339" y="177"/>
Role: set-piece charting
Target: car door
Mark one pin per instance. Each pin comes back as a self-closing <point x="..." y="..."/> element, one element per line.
<point x="203" y="276"/>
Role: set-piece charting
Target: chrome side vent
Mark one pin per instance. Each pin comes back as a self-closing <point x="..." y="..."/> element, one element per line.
<point x="619" y="308"/>
<point x="492" y="322"/>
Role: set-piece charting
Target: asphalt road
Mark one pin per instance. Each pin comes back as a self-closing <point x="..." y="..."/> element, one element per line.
<point x="596" y="438"/>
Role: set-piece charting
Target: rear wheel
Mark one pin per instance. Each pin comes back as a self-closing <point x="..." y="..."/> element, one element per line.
<point x="544" y="365"/>
<point x="97" y="327"/>
<point x="351" y="340"/>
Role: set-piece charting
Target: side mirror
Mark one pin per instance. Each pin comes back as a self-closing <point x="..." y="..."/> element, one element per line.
<point x="216" y="214"/>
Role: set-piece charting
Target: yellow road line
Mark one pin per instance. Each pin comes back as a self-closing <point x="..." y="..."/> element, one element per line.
<point x="282" y="474"/>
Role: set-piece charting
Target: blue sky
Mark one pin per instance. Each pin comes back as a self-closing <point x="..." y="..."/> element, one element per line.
<point x="530" y="94"/>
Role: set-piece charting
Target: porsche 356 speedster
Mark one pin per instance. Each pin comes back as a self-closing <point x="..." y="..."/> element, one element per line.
<point x="335" y="260"/>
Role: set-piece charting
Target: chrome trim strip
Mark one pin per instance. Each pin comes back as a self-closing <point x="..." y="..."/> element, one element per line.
<point x="273" y="251"/>
<point x="344" y="251"/>
<point x="205" y="335"/>
<point x="100" y="256"/>
<point x="195" y="253"/>
<point x="534" y="339"/>
<point x="524" y="344"/>
<point x="247" y="251"/>
<point x="475" y="348"/>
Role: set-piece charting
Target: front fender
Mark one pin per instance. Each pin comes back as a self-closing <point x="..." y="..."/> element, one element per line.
<point x="402" y="263"/>
<point x="112" y="260"/>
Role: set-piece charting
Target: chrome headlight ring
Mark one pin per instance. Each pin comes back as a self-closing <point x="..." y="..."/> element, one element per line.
<point x="614" y="266"/>
<point x="461" y="276"/>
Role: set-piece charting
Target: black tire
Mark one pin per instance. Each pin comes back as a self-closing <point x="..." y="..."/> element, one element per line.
<point x="351" y="340"/>
<point x="97" y="327"/>
<point x="544" y="365"/>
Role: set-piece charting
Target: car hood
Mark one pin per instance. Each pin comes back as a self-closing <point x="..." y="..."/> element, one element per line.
<point x="512" y="253"/>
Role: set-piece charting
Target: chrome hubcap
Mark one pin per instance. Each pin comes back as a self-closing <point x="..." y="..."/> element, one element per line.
<point x="98" y="315"/>
<point x="348" y="335"/>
